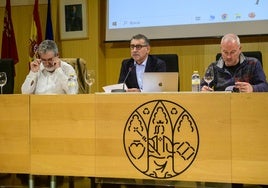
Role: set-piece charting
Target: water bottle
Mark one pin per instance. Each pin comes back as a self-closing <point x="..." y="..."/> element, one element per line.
<point x="72" y="84"/>
<point x="195" y="82"/>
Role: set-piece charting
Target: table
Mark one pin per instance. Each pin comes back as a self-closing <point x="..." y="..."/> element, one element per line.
<point x="92" y="135"/>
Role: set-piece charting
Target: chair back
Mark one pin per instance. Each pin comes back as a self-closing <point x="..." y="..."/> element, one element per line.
<point x="7" y="66"/>
<point x="80" y="68"/>
<point x="256" y="54"/>
<point x="172" y="63"/>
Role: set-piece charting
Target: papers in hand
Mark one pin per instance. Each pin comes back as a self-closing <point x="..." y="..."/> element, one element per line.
<point x="232" y="89"/>
<point x="229" y="88"/>
<point x="109" y="88"/>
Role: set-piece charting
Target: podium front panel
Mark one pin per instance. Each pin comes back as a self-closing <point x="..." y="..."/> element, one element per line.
<point x="63" y="134"/>
<point x="249" y="138"/>
<point x="14" y="131"/>
<point x="164" y="136"/>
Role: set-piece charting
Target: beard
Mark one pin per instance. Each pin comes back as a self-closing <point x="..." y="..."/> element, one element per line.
<point x="50" y="68"/>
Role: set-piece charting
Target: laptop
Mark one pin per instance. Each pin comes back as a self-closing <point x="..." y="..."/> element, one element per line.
<point x="160" y="82"/>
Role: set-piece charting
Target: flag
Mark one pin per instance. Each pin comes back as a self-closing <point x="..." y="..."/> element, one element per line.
<point x="36" y="32"/>
<point x="49" y="29"/>
<point x="9" y="47"/>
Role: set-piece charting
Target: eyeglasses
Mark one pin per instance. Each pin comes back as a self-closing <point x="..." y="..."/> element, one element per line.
<point x="138" y="46"/>
<point x="50" y="60"/>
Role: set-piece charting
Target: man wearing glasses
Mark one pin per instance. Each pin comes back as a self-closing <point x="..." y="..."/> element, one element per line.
<point x="48" y="74"/>
<point x="132" y="69"/>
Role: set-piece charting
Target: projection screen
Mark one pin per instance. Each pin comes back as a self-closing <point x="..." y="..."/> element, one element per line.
<point x="172" y="19"/>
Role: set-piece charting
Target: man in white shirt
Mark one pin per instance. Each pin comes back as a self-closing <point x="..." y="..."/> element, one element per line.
<point x="48" y="74"/>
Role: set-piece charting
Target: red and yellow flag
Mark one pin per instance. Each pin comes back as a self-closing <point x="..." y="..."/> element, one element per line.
<point x="36" y="33"/>
<point x="9" y="47"/>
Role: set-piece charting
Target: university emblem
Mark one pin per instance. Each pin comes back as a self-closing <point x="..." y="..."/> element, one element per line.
<point x="161" y="139"/>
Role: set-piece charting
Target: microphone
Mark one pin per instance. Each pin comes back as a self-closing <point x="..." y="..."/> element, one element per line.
<point x="123" y="89"/>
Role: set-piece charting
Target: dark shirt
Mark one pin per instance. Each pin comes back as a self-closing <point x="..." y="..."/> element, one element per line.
<point x="249" y="70"/>
<point x="231" y="69"/>
<point x="153" y="64"/>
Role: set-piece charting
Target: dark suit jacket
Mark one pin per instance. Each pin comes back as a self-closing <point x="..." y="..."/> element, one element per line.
<point x="153" y="64"/>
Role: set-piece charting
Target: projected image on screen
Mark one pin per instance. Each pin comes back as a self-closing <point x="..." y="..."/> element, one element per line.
<point x="187" y="18"/>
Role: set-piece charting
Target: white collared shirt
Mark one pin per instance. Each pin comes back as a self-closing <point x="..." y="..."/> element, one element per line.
<point x="139" y="72"/>
<point x="44" y="82"/>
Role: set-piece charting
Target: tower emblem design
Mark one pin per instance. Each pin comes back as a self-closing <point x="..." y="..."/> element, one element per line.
<point x="161" y="139"/>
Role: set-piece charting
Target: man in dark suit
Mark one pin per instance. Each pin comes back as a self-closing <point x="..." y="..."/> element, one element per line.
<point x="132" y="69"/>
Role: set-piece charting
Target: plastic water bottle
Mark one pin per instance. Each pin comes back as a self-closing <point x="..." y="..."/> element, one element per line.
<point x="195" y="82"/>
<point x="72" y="84"/>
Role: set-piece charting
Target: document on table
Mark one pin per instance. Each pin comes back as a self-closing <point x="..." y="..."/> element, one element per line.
<point x="109" y="88"/>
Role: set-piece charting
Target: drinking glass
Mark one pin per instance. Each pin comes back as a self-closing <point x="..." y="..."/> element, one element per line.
<point x="3" y="80"/>
<point x="209" y="75"/>
<point x="90" y="78"/>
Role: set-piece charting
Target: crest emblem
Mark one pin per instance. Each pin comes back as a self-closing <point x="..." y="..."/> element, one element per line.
<point x="161" y="139"/>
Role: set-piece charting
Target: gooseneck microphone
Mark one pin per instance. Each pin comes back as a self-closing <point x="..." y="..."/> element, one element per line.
<point x="124" y="82"/>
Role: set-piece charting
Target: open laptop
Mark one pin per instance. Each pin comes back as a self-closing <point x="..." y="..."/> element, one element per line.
<point x="160" y="81"/>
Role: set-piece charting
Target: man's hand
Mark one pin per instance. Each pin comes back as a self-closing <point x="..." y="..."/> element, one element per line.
<point x="133" y="90"/>
<point x="244" y="87"/>
<point x="35" y="65"/>
<point x="206" y="88"/>
<point x="56" y="62"/>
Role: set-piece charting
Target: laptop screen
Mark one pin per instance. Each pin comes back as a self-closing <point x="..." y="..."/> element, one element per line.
<point x="160" y="81"/>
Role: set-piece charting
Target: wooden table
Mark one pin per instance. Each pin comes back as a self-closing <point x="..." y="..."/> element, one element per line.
<point x="14" y="131"/>
<point x="210" y="137"/>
